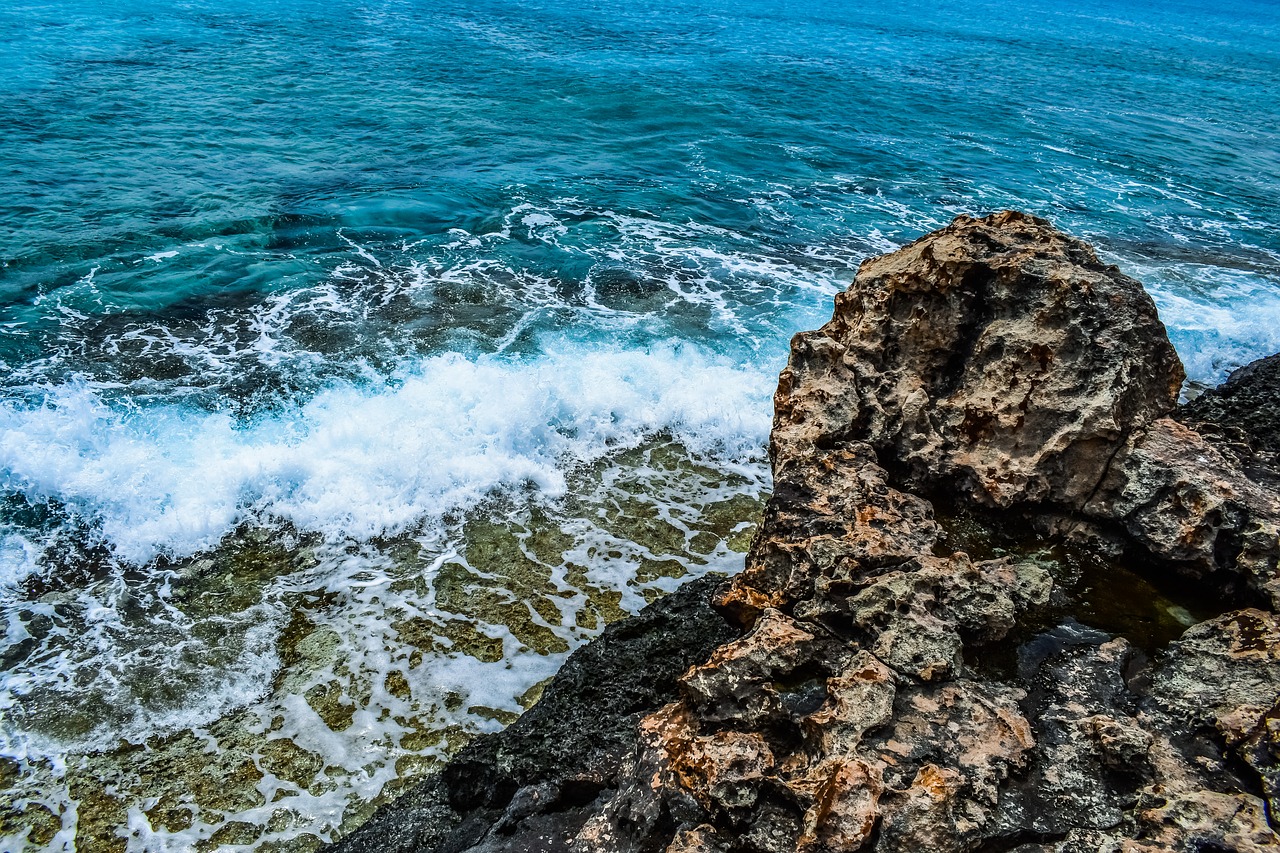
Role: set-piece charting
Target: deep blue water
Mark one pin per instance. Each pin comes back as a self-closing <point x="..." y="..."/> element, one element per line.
<point x="260" y="140"/>
<point x="355" y="266"/>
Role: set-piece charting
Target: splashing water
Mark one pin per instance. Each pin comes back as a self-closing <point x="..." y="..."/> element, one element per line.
<point x="359" y="361"/>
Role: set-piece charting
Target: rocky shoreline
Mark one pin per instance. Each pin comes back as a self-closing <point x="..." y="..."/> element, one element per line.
<point x="982" y="443"/>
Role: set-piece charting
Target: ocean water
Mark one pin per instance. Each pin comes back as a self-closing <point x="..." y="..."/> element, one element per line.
<point x="358" y="360"/>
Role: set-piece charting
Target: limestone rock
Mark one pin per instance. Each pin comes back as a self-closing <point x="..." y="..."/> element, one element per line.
<point x="996" y="364"/>
<point x="1188" y="503"/>
<point x="997" y="356"/>
<point x="914" y="617"/>
<point x="833" y="517"/>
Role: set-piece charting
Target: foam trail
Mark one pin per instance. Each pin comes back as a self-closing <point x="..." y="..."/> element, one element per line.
<point x="368" y="461"/>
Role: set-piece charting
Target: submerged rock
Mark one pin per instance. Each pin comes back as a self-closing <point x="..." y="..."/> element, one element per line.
<point x="997" y="365"/>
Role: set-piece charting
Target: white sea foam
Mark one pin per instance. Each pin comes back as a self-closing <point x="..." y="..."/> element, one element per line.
<point x="1218" y="318"/>
<point x="19" y="558"/>
<point x="367" y="461"/>
<point x="356" y="646"/>
<point x="1215" y="337"/>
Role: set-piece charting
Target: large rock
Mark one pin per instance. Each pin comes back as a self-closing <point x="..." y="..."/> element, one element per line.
<point x="891" y="692"/>
<point x="997" y="356"/>
<point x="995" y="363"/>
<point x="998" y="360"/>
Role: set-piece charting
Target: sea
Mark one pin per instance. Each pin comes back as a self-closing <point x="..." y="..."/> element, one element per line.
<point x="360" y="359"/>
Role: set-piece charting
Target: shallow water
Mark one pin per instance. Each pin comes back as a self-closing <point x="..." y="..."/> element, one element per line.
<point x="358" y="360"/>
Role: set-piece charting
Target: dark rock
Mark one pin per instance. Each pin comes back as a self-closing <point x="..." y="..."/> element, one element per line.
<point x="557" y="757"/>
<point x="1091" y="753"/>
<point x="1246" y="407"/>
<point x="1189" y="505"/>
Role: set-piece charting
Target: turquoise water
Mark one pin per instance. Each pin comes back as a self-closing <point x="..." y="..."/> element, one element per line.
<point x="368" y="274"/>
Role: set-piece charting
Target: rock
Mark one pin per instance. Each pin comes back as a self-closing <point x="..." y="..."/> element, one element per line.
<point x="998" y="363"/>
<point x="1091" y="751"/>
<point x="913" y="618"/>
<point x="1188" y="504"/>
<point x="1245" y="409"/>
<point x="997" y="356"/>
<point x="1224" y="673"/>
<point x="833" y="516"/>
<point x="993" y="366"/>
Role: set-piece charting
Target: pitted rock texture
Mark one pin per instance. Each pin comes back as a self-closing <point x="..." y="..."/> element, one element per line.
<point x="997" y="356"/>
<point x="1187" y="502"/>
<point x="995" y="363"/>
<point x="999" y="361"/>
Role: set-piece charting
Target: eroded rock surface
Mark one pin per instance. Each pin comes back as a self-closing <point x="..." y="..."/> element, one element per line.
<point x="1186" y="501"/>
<point x="1245" y="413"/>
<point x="891" y="693"/>
<point x="997" y="356"/>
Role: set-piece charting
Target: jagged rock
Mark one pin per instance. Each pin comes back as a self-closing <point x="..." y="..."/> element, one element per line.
<point x="793" y="780"/>
<point x="913" y="618"/>
<point x="998" y="362"/>
<point x="997" y="356"/>
<point x="1223" y="678"/>
<point x="994" y="363"/>
<point x="701" y="839"/>
<point x="1189" y="504"/>
<point x="1091" y="751"/>
<point x="833" y="517"/>
<point x="1244" y="410"/>
<point x="949" y="748"/>
<point x="738" y="683"/>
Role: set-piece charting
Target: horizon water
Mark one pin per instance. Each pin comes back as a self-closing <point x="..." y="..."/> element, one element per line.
<point x="359" y="360"/>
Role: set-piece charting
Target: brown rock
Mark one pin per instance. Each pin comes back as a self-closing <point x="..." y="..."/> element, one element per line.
<point x="845" y="794"/>
<point x="998" y="356"/>
<point x="700" y="839"/>
<point x="1188" y="503"/>
<point x="833" y="518"/>
<point x="995" y="362"/>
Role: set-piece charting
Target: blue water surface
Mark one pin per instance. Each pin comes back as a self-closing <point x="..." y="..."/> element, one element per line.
<point x="269" y="143"/>
<point x="356" y="274"/>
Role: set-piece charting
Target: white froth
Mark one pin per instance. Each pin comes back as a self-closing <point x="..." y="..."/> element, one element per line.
<point x="1218" y="319"/>
<point x="1215" y="337"/>
<point x="361" y="462"/>
<point x="19" y="559"/>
